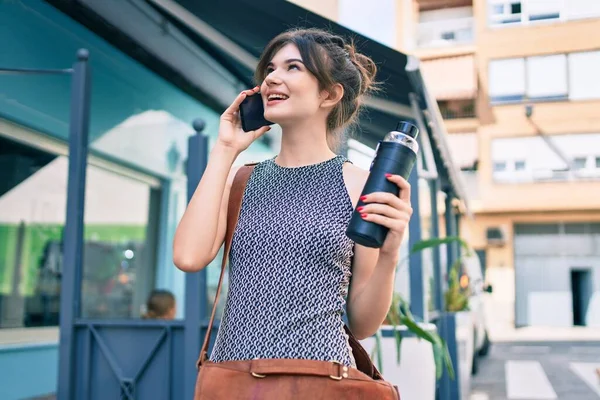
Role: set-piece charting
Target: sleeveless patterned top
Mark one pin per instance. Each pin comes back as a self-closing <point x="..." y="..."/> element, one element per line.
<point x="289" y="267"/>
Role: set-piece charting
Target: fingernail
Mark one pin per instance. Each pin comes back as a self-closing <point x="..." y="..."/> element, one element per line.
<point x="359" y="209"/>
<point x="363" y="215"/>
<point x="363" y="198"/>
<point x="388" y="175"/>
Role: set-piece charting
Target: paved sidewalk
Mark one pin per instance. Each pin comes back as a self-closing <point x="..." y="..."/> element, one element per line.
<point x="545" y="334"/>
<point x="539" y="371"/>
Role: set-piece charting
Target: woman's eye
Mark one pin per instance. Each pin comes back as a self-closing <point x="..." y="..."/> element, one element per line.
<point x="293" y="66"/>
<point x="269" y="70"/>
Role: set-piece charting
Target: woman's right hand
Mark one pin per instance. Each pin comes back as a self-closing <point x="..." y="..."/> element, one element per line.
<point x="231" y="133"/>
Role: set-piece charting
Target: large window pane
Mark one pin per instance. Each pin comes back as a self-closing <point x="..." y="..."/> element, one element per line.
<point x="507" y="79"/>
<point x="583" y="75"/>
<point x="32" y="205"/>
<point x="121" y="216"/>
<point x="547" y="76"/>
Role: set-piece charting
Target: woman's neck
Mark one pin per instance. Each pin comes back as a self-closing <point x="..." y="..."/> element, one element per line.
<point x="303" y="144"/>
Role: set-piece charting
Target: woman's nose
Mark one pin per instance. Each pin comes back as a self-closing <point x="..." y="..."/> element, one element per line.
<point x="273" y="78"/>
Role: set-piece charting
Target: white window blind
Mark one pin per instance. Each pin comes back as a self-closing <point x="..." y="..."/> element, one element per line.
<point x="507" y="79"/>
<point x="584" y="80"/>
<point x="582" y="8"/>
<point x="547" y="76"/>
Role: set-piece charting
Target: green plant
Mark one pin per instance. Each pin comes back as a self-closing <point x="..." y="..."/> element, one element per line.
<point x="399" y="312"/>
<point x="456" y="297"/>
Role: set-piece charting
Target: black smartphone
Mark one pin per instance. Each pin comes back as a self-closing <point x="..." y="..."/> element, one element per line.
<point x="252" y="113"/>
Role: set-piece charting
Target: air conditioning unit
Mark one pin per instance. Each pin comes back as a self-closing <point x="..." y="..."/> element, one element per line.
<point x="495" y="236"/>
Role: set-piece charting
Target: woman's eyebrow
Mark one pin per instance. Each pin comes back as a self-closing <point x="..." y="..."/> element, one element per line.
<point x="288" y="61"/>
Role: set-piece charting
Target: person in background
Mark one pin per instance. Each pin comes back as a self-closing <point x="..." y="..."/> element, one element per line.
<point x="160" y="305"/>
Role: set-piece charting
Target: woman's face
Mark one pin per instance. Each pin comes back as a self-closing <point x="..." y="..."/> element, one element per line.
<point x="290" y="92"/>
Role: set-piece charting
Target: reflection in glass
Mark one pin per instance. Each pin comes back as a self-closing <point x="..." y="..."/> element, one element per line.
<point x="32" y="214"/>
<point x="120" y="240"/>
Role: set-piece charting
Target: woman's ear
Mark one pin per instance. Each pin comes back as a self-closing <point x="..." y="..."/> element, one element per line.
<point x="332" y="96"/>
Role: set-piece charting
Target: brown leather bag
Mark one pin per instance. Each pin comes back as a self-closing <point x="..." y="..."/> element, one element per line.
<point x="282" y="379"/>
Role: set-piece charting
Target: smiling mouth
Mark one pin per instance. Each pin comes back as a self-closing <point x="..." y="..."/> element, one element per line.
<point x="275" y="97"/>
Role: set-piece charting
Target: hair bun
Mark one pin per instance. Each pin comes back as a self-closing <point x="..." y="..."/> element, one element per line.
<point x="366" y="66"/>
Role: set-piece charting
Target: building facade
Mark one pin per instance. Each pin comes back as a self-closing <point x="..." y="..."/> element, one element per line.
<point x="516" y="83"/>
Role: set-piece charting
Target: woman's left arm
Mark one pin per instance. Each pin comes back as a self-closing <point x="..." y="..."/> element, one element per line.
<point x="373" y="270"/>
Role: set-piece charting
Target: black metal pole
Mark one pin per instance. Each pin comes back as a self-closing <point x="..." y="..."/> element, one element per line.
<point x="449" y="389"/>
<point x="417" y="292"/>
<point x="70" y="295"/>
<point x="195" y="283"/>
<point x="434" y="187"/>
<point x="450" y="231"/>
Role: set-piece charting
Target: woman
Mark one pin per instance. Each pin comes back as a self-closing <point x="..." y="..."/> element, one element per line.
<point x="290" y="261"/>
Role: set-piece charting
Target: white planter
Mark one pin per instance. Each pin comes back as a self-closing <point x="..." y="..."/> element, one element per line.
<point x="466" y="346"/>
<point x="415" y="375"/>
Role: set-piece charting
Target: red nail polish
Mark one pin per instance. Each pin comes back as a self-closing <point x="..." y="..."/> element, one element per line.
<point x="363" y="215"/>
<point x="388" y="175"/>
<point x="359" y="209"/>
<point x="363" y="198"/>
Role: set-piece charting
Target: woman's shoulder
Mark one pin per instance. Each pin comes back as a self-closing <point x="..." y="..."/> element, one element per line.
<point x="355" y="179"/>
<point x="355" y="173"/>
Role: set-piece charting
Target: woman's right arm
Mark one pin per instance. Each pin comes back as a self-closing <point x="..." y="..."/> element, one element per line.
<point x="201" y="231"/>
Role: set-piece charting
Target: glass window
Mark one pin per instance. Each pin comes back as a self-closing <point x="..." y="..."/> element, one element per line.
<point x="32" y="205"/>
<point x="499" y="166"/>
<point x="579" y="162"/>
<point x="583" y="71"/>
<point x="597" y="162"/>
<point x="520" y="165"/>
<point x="538" y="10"/>
<point x="505" y="11"/>
<point x="121" y="220"/>
<point x="547" y="77"/>
<point x="507" y="79"/>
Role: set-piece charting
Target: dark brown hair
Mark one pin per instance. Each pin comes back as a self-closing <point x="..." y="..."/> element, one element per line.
<point x="331" y="60"/>
<point x="159" y="303"/>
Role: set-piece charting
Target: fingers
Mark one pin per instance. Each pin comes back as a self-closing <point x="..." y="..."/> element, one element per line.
<point x="386" y="198"/>
<point x="402" y="184"/>
<point x="260" y="131"/>
<point x="235" y="106"/>
<point x="403" y="212"/>
<point x="392" y="224"/>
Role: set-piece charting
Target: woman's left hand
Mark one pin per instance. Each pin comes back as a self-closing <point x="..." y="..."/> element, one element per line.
<point x="391" y="211"/>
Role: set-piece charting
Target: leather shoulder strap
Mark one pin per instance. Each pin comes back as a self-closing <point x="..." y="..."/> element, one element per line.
<point x="233" y="212"/>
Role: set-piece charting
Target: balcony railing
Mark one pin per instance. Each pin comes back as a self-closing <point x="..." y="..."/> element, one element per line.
<point x="449" y="32"/>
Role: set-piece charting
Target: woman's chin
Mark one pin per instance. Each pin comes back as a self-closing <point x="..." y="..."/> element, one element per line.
<point x="278" y="118"/>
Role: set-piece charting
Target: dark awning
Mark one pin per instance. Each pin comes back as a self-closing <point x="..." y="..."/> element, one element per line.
<point x="235" y="32"/>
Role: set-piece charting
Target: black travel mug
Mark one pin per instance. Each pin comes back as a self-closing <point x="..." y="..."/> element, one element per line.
<point x="396" y="154"/>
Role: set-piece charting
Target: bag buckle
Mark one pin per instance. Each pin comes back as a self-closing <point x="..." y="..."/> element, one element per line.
<point x="254" y="374"/>
<point x="341" y="368"/>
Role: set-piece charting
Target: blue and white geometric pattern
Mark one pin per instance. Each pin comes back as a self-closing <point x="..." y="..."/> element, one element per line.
<point x="289" y="267"/>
